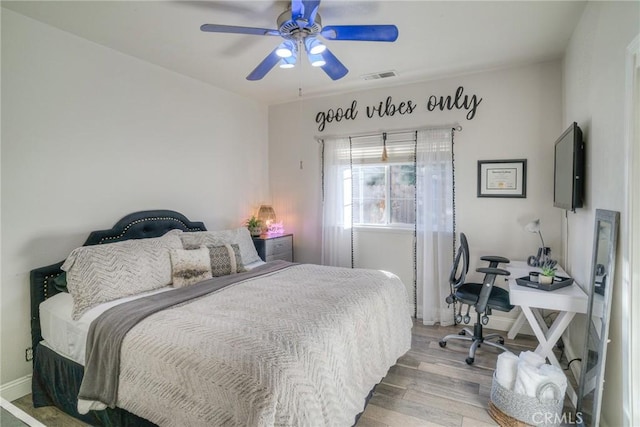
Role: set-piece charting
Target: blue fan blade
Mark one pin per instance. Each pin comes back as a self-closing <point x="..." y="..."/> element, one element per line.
<point x="304" y="10"/>
<point x="297" y="9"/>
<point x="215" y="28"/>
<point x="265" y="66"/>
<point x="333" y="67"/>
<point x="371" y="33"/>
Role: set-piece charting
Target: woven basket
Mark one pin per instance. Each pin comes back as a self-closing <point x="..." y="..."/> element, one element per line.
<point x="503" y="419"/>
<point x="511" y="409"/>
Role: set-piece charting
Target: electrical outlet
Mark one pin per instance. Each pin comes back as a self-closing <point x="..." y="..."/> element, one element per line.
<point x="28" y="354"/>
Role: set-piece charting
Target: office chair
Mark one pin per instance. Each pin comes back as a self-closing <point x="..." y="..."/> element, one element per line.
<point x="483" y="296"/>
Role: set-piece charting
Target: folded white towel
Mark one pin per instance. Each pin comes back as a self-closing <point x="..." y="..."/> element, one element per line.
<point x="506" y="369"/>
<point x="527" y="379"/>
<point x="557" y="377"/>
<point x="530" y="379"/>
<point x="532" y="358"/>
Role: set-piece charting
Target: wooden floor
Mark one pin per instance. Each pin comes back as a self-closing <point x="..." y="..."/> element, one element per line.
<point x="429" y="386"/>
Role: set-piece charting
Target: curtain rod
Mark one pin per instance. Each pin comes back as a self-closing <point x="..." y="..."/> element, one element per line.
<point x="455" y="126"/>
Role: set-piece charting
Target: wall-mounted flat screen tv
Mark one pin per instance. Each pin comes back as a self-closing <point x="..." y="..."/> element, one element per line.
<point x="568" y="171"/>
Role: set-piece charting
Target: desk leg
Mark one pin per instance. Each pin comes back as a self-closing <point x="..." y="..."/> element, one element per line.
<point x="517" y="325"/>
<point x="548" y="338"/>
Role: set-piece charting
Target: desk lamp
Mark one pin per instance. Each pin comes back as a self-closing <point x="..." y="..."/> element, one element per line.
<point x="543" y="252"/>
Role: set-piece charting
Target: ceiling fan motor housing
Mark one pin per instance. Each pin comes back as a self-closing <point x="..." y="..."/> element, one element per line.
<point x="297" y="30"/>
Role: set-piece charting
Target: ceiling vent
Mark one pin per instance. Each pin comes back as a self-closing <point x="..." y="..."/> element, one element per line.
<point x="382" y="75"/>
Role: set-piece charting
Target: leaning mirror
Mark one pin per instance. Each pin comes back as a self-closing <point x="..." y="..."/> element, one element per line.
<point x="598" y="310"/>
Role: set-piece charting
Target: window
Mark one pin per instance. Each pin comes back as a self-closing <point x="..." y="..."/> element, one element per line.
<point x="384" y="195"/>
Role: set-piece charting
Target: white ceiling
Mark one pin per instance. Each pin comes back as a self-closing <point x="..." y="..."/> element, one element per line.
<point x="436" y="38"/>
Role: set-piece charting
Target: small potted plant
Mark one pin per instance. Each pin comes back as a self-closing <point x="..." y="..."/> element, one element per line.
<point x="547" y="274"/>
<point x="254" y="225"/>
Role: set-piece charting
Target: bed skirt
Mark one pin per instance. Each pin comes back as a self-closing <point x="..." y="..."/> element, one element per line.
<point x="56" y="381"/>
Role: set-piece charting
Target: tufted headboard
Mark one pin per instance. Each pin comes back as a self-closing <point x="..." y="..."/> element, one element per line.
<point x="137" y="225"/>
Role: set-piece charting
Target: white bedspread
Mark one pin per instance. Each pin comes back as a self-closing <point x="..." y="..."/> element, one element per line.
<point x="299" y="347"/>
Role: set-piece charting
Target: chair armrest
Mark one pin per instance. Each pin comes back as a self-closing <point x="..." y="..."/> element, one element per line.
<point x="497" y="259"/>
<point x="489" y="270"/>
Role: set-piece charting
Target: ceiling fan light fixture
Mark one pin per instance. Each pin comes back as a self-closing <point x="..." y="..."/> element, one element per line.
<point x="314" y="46"/>
<point x="286" y="49"/>
<point x="289" y="62"/>
<point x="316" y="60"/>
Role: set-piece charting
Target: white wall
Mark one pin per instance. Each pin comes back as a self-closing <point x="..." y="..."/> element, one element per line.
<point x="519" y="118"/>
<point x="90" y="135"/>
<point x="594" y="85"/>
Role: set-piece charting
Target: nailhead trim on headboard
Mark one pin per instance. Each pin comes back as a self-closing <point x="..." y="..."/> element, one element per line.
<point x="165" y="218"/>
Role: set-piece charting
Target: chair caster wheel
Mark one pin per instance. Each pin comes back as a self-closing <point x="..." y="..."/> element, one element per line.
<point x="485" y="320"/>
<point x="458" y="319"/>
<point x="469" y="360"/>
<point x="443" y="344"/>
<point x="501" y="341"/>
<point x="467" y="319"/>
<point x="462" y="332"/>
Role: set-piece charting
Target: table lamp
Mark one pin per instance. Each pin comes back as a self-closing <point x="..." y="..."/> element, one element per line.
<point x="544" y="252"/>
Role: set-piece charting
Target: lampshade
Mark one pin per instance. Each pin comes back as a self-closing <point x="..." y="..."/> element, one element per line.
<point x="266" y="214"/>
<point x="314" y="46"/>
<point x="316" y="60"/>
<point x="534" y="227"/>
<point x="289" y="62"/>
<point x="286" y="49"/>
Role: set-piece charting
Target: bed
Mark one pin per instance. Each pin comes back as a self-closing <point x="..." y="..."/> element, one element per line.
<point x="271" y="344"/>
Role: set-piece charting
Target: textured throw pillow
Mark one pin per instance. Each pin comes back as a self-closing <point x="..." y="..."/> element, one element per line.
<point x="101" y="273"/>
<point x="190" y="266"/>
<point x="239" y="236"/>
<point x="225" y="260"/>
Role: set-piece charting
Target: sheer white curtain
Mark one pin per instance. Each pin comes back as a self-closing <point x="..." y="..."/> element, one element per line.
<point x="336" y="206"/>
<point x="434" y="224"/>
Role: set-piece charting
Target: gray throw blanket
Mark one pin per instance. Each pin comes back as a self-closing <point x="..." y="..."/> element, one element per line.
<point x="104" y="340"/>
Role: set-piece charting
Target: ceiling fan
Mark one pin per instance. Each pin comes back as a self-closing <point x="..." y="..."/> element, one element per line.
<point x="300" y="26"/>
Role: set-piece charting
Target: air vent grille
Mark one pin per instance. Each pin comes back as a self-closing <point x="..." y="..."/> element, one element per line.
<point x="382" y="75"/>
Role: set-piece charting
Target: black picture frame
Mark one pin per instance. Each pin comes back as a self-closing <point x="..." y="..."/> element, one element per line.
<point x="502" y="178"/>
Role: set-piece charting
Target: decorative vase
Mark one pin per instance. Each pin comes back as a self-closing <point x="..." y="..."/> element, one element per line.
<point x="255" y="231"/>
<point x="545" y="280"/>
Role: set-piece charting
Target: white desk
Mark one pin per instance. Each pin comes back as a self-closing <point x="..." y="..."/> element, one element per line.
<point x="568" y="301"/>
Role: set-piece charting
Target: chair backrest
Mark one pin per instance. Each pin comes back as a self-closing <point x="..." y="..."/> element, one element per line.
<point x="462" y="254"/>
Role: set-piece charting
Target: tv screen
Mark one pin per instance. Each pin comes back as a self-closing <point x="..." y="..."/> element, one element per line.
<point x="568" y="169"/>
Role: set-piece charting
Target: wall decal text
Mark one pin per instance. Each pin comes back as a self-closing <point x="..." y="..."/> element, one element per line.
<point x="323" y="118"/>
<point x="390" y="108"/>
<point x="458" y="102"/>
<point x="387" y="108"/>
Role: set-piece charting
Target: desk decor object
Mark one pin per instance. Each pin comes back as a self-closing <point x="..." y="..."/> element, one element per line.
<point x="502" y="178"/>
<point x="557" y="283"/>
<point x="591" y="381"/>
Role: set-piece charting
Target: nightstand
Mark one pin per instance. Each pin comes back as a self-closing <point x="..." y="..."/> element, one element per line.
<point x="273" y="247"/>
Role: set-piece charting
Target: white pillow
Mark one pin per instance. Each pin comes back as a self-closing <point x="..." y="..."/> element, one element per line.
<point x="239" y="236"/>
<point x="101" y="273"/>
<point x="190" y="266"/>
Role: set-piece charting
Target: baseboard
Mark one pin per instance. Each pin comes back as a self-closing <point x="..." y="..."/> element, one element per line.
<point x="19" y="414"/>
<point x="16" y="389"/>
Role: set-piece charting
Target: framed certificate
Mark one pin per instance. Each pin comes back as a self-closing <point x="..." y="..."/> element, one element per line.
<point x="502" y="178"/>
